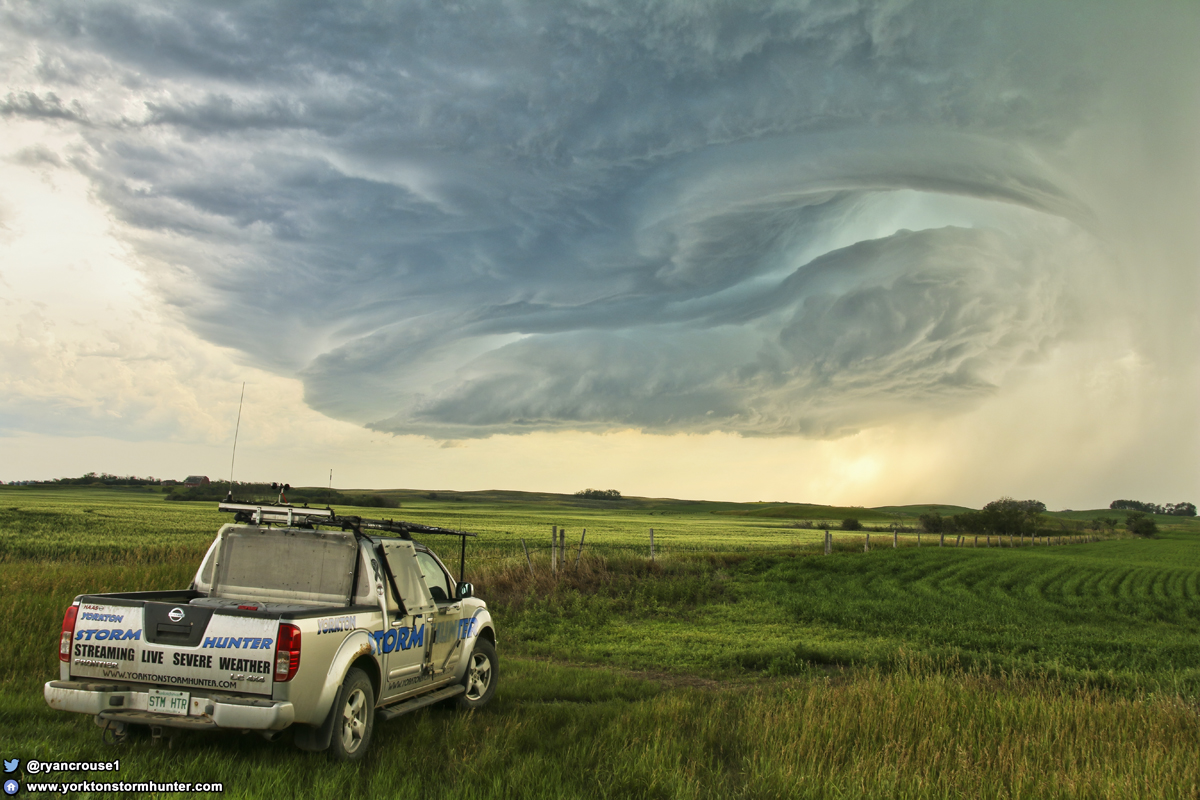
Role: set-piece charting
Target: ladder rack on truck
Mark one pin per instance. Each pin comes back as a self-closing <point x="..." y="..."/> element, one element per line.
<point x="305" y="517"/>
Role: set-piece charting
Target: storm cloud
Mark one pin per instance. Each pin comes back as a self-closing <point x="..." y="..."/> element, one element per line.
<point x="464" y="219"/>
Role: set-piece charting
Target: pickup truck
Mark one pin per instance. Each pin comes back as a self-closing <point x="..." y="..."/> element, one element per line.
<point x="297" y="618"/>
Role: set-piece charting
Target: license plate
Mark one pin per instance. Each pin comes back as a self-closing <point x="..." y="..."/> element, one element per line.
<point x="165" y="702"/>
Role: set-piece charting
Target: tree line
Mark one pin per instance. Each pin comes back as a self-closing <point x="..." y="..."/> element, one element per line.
<point x="1172" y="509"/>
<point x="599" y="494"/>
<point x="1005" y="516"/>
<point x="1009" y="517"/>
<point x="100" y="479"/>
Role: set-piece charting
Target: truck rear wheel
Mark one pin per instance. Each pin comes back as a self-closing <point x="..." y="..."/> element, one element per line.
<point x="483" y="671"/>
<point x="355" y="717"/>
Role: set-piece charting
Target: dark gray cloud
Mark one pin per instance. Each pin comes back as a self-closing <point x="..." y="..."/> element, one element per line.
<point x="34" y="106"/>
<point x="459" y="219"/>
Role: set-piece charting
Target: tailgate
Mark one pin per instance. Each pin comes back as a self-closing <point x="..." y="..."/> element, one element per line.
<point x="173" y="645"/>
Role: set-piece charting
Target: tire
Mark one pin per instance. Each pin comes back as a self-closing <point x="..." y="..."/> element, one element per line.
<point x="483" y="672"/>
<point x="354" y="717"/>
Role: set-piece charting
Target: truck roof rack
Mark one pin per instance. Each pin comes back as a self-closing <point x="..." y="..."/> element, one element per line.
<point x="266" y="513"/>
<point x="305" y="517"/>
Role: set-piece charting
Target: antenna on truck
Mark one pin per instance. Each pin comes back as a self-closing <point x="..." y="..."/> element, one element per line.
<point x="236" y="428"/>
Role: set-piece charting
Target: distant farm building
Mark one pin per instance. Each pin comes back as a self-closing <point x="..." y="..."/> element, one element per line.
<point x="195" y="480"/>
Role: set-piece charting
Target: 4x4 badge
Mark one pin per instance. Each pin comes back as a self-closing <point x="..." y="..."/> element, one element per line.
<point x="175" y="614"/>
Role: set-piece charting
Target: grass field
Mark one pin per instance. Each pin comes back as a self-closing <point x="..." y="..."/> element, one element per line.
<point x="741" y="663"/>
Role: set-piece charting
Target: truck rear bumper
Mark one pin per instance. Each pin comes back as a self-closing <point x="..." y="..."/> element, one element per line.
<point x="120" y="703"/>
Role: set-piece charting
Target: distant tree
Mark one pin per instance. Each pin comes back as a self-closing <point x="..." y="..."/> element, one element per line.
<point x="933" y="523"/>
<point x="851" y="524"/>
<point x="970" y="522"/>
<point x="599" y="494"/>
<point x="1172" y="509"/>
<point x="1141" y="525"/>
<point x="106" y="479"/>
<point x="1136" y="505"/>
<point x="1012" y="517"/>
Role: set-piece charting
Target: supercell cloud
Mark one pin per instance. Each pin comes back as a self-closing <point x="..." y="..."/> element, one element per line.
<point x="458" y="220"/>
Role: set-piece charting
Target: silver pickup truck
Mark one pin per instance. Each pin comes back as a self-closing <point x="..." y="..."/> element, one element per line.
<point x="297" y="618"/>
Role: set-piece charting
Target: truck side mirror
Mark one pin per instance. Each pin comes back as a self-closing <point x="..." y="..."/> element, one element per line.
<point x="465" y="590"/>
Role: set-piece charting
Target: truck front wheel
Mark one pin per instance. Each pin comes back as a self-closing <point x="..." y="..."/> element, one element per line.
<point x="483" y="670"/>
<point x="355" y="717"/>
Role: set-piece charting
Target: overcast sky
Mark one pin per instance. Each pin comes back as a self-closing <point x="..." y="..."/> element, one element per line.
<point x="840" y="252"/>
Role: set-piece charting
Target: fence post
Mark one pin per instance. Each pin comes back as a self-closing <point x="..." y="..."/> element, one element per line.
<point x="562" y="547"/>
<point x="867" y="543"/>
<point x="918" y="538"/>
<point x="553" y="549"/>
<point x="895" y="539"/>
<point x="942" y="539"/>
<point x="528" y="560"/>
<point x="580" y="554"/>
<point x="828" y="543"/>
<point x="652" y="544"/>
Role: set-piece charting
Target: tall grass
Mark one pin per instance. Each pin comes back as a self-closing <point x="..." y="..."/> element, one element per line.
<point x="556" y="731"/>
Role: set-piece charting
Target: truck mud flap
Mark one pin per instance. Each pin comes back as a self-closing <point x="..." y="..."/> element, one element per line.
<point x="315" y="739"/>
<point x="391" y="712"/>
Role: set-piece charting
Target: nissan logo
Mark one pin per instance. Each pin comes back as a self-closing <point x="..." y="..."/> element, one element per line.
<point x="175" y="614"/>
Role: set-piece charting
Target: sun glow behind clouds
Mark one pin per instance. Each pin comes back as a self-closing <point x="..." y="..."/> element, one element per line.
<point x="655" y="248"/>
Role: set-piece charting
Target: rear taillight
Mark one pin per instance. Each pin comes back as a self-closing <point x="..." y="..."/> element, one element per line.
<point x="68" y="633"/>
<point x="287" y="652"/>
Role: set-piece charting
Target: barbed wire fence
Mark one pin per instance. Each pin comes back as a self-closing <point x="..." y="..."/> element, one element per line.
<point x="561" y="554"/>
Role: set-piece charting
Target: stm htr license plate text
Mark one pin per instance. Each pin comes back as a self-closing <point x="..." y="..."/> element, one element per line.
<point x="167" y="702"/>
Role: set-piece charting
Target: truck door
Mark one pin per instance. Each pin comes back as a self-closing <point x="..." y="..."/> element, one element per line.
<point x="447" y="630"/>
<point x="406" y="644"/>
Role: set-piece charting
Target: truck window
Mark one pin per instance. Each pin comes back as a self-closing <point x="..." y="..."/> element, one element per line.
<point x="435" y="578"/>
<point x="364" y="589"/>
<point x="203" y="580"/>
<point x="286" y="565"/>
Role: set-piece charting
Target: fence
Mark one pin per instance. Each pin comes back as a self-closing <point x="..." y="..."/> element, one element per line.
<point x="563" y="554"/>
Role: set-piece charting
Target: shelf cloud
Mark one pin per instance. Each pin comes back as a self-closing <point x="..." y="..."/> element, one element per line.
<point x="764" y="218"/>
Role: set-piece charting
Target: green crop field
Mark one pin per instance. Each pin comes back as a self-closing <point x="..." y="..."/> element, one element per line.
<point x="742" y="662"/>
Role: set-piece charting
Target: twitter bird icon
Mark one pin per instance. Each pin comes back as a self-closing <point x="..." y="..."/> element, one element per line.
<point x="11" y="766"/>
